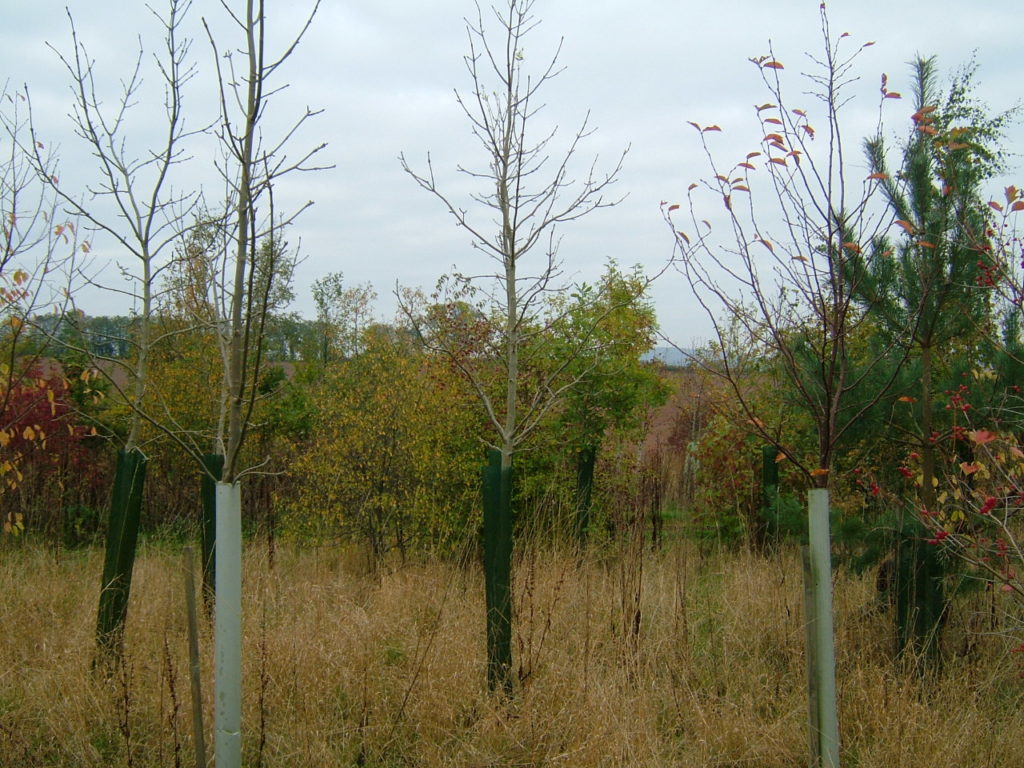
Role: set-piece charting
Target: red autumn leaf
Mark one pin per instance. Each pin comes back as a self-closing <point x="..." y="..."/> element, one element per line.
<point x="982" y="436"/>
<point x="818" y="472"/>
<point x="808" y="130"/>
<point x="969" y="469"/>
<point x="773" y="65"/>
<point x="1018" y="206"/>
<point x="1011" y="193"/>
<point x="893" y="95"/>
<point x="749" y="166"/>
<point x="752" y="155"/>
<point x="772" y="120"/>
<point x="684" y="237"/>
<point x="996" y="206"/>
<point x="927" y="129"/>
<point x="778" y="160"/>
<point x="720" y="177"/>
<point x="712" y="128"/>
<point x="774" y="137"/>
<point x="691" y="187"/>
<point x="673" y="207"/>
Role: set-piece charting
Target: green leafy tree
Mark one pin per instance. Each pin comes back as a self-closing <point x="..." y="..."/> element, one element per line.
<point x="612" y="388"/>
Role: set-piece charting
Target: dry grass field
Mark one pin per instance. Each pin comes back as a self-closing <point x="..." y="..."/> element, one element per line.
<point x="345" y="668"/>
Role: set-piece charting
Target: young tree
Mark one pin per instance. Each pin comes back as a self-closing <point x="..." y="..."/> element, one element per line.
<point x="613" y="388"/>
<point x="925" y="288"/>
<point x="250" y="170"/>
<point x="527" y="194"/>
<point x="782" y="275"/>
<point x="132" y="202"/>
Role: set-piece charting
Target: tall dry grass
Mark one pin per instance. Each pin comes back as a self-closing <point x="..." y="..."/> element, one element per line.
<point x="703" y="666"/>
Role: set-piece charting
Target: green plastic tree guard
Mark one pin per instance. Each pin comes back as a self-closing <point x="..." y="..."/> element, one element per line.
<point x="497" y="492"/>
<point x="122" y="537"/>
<point x="213" y="463"/>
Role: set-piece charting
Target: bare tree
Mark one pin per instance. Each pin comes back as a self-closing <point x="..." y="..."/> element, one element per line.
<point x="132" y="202"/>
<point x="782" y="275"/>
<point x="249" y="168"/>
<point x="528" y="190"/>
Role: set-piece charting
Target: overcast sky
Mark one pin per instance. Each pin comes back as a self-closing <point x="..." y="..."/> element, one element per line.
<point x="385" y="71"/>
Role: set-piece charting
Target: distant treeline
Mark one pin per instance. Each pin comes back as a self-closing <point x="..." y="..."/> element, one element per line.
<point x="288" y="337"/>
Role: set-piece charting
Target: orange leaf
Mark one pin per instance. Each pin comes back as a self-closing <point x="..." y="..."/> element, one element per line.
<point x="907" y="399"/>
<point x="684" y="237"/>
<point x="808" y="130"/>
<point x="673" y="207"/>
<point x="925" y="244"/>
<point x="893" y="95"/>
<point x="748" y="166"/>
<point x="712" y="128"/>
<point x="982" y="436"/>
<point x="767" y="245"/>
<point x="741" y="188"/>
<point x="1011" y="193"/>
<point x="780" y="456"/>
<point x="778" y="160"/>
<point x="765" y="106"/>
<point x="773" y="137"/>
<point x="819" y="472"/>
<point x="993" y="204"/>
<point x="691" y="187"/>
<point x="772" y="120"/>
<point x="879" y="176"/>
<point x="927" y="129"/>
<point x="799" y="112"/>
<point x="693" y="124"/>
<point x="728" y="202"/>
<point x="752" y="155"/>
<point x="1018" y="206"/>
<point x="773" y="65"/>
<point x="906" y="225"/>
<point x="969" y="469"/>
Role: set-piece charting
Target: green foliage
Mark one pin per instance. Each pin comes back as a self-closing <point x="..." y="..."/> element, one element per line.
<point x="394" y="452"/>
